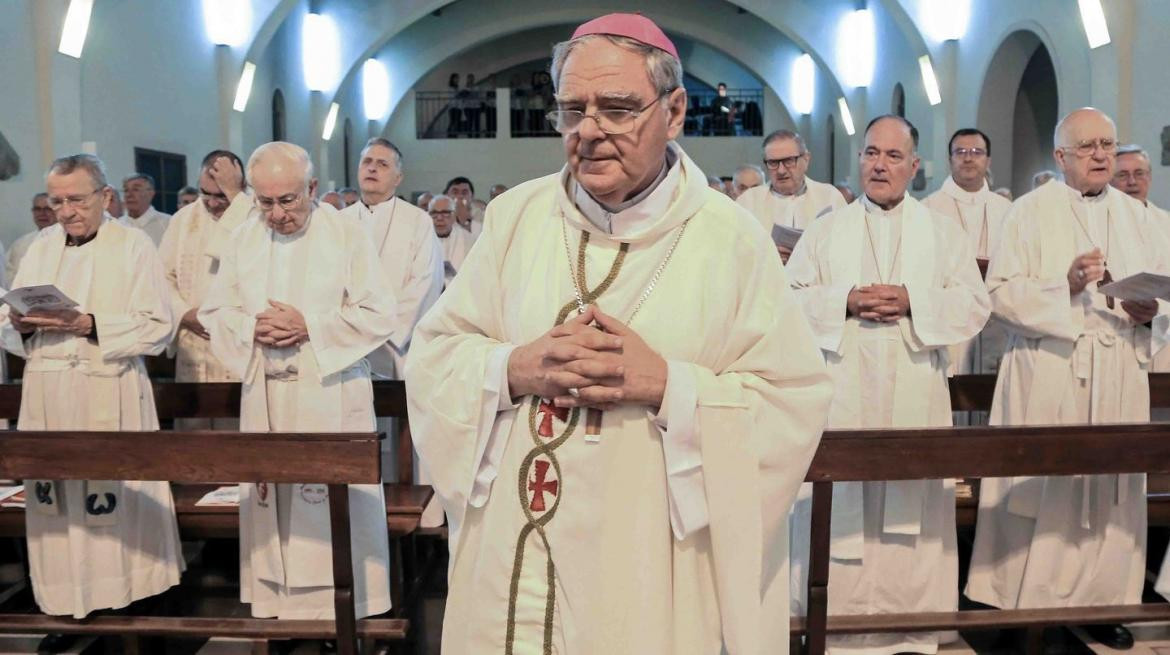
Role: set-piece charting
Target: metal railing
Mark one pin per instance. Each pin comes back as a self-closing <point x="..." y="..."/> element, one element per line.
<point x="466" y="114"/>
<point x="739" y="113"/>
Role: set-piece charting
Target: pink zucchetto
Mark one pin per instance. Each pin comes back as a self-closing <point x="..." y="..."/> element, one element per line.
<point x="633" y="26"/>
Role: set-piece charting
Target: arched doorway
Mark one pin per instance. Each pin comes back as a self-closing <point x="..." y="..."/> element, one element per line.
<point x="1018" y="109"/>
<point x="898" y="101"/>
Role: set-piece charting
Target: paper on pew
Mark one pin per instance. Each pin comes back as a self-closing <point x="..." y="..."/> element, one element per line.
<point x="12" y="496"/>
<point x="786" y="236"/>
<point x="1143" y="286"/>
<point x="41" y="296"/>
<point x="221" y="497"/>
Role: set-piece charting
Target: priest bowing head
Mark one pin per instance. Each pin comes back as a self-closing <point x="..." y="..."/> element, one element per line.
<point x="614" y="325"/>
<point x="282" y="178"/>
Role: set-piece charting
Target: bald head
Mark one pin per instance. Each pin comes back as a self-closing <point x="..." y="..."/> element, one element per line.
<point x="282" y="178"/>
<point x="1085" y="143"/>
<point x="281" y="160"/>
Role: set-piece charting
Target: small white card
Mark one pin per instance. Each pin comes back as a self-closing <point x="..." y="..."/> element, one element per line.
<point x="1143" y="286"/>
<point x="12" y="496"/>
<point x="42" y="296"/>
<point x="786" y="236"/>
<point x="221" y="497"/>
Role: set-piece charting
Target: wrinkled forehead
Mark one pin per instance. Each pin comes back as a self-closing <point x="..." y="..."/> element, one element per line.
<point x="781" y="148"/>
<point x="441" y="206"/>
<point x="1087" y="126"/>
<point x="889" y="134"/>
<point x="1133" y="161"/>
<point x="76" y="182"/>
<point x="599" y="69"/>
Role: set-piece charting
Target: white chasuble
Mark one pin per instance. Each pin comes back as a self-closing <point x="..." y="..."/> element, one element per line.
<point x="329" y="272"/>
<point x="16" y="254"/>
<point x="893" y="543"/>
<point x="981" y="215"/>
<point x="191" y="250"/>
<point x="152" y="221"/>
<point x="627" y="532"/>
<point x="96" y="544"/>
<point x="1070" y="540"/>
<point x="796" y="211"/>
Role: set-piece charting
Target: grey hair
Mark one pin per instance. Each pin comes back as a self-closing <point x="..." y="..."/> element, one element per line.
<point x="779" y="135"/>
<point x="1134" y="149"/>
<point x="750" y="167"/>
<point x="138" y="176"/>
<point x="385" y="143"/>
<point x="1043" y="176"/>
<point x="88" y="163"/>
<point x="281" y="150"/>
<point x="441" y="196"/>
<point x="664" y="70"/>
<point x="38" y="196"/>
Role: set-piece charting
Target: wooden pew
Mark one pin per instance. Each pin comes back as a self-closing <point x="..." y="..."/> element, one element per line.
<point x="867" y="455"/>
<point x="209" y="457"/>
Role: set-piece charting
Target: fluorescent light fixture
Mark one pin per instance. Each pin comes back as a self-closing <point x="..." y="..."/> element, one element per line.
<point x="76" y="25"/>
<point x="804" y="84"/>
<point x="929" y="81"/>
<point x="244" y="88"/>
<point x="945" y="20"/>
<point x="330" y="121"/>
<point x="856" y="48"/>
<point x="375" y="89"/>
<point x="321" y="52"/>
<point x="228" y="22"/>
<point x="846" y="117"/>
<point x="1093" y="17"/>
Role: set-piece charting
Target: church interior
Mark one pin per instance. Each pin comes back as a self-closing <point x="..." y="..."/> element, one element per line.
<point x="463" y="90"/>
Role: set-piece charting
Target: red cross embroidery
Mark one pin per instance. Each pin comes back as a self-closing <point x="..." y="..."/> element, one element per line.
<point x="549" y="411"/>
<point x="539" y="486"/>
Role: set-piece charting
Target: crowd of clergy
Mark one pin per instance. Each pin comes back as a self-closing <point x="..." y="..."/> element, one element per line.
<point x="630" y="341"/>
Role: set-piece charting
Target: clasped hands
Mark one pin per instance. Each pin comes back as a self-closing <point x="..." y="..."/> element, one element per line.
<point x="52" y="320"/>
<point x="1089" y="267"/>
<point x="883" y="303"/>
<point x="280" y="326"/>
<point x="601" y="359"/>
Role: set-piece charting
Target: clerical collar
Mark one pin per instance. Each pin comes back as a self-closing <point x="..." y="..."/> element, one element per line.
<point x="799" y="192"/>
<point x="648" y="205"/>
<point x="79" y="241"/>
<point x="872" y="207"/>
<point x="952" y="189"/>
<point x="1087" y="197"/>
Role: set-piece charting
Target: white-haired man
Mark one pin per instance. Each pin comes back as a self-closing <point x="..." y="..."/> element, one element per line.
<point x="93" y="544"/>
<point x="747" y="176"/>
<point x="191" y="251"/>
<point x="1073" y="356"/>
<point x="572" y="391"/>
<point x="791" y="199"/>
<point x="138" y="193"/>
<point x="299" y="301"/>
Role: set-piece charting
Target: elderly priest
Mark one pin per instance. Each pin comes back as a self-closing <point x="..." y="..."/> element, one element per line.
<point x="93" y="544"/>
<point x="299" y="301"/>
<point x="617" y="397"/>
<point x="1074" y="356"/>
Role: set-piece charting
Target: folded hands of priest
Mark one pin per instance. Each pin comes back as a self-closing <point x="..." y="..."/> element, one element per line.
<point x="883" y="303"/>
<point x="281" y="326"/>
<point x="591" y="360"/>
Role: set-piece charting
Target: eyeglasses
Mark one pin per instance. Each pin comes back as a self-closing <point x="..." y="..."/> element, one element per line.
<point x="786" y="162"/>
<point x="1087" y="148"/>
<point x="610" y="121"/>
<point x="973" y="153"/>
<point x="1137" y="175"/>
<point x="441" y="212"/>
<point x="287" y="202"/>
<point x="76" y="202"/>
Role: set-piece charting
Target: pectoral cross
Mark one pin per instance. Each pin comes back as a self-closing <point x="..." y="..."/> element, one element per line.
<point x="1106" y="279"/>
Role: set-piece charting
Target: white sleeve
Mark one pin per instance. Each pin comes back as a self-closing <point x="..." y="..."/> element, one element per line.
<point x="497" y="413"/>
<point x="682" y="451"/>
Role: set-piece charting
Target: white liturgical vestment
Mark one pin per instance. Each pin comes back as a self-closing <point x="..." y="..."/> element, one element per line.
<point x="893" y="545"/>
<point x="624" y="531"/>
<point x="152" y="221"/>
<point x="797" y="210"/>
<point x="328" y="271"/>
<point x="1071" y="540"/>
<point x="981" y="215"/>
<point x="96" y="544"/>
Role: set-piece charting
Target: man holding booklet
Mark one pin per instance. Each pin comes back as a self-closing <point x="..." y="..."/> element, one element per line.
<point x="90" y="301"/>
<point x="1075" y="355"/>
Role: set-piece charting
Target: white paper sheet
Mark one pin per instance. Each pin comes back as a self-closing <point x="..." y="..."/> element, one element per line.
<point x="786" y="236"/>
<point x="12" y="496"/>
<point x="1143" y="286"/>
<point x="221" y="497"/>
<point x="42" y="296"/>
